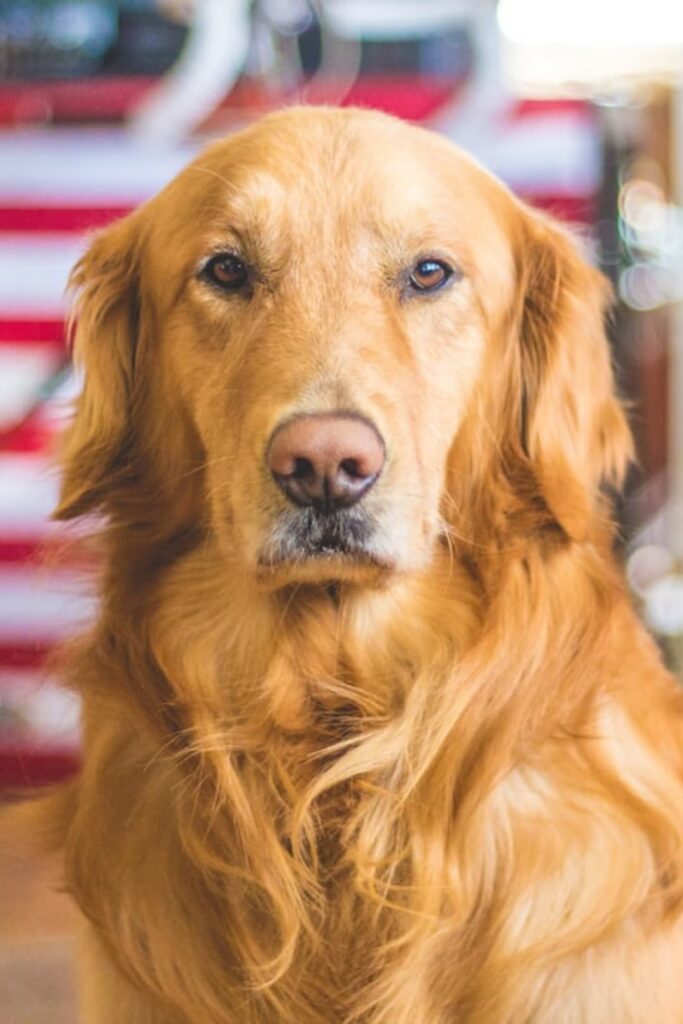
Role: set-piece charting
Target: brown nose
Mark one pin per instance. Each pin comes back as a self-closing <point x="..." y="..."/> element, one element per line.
<point x="327" y="461"/>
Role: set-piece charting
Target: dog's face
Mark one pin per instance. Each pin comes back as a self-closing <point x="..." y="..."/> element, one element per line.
<point x="326" y="333"/>
<point x="302" y="325"/>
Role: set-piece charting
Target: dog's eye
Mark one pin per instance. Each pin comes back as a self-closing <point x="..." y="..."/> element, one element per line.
<point x="227" y="272"/>
<point x="429" y="275"/>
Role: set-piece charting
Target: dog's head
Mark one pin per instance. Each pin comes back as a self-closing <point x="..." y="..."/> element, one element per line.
<point x="333" y="339"/>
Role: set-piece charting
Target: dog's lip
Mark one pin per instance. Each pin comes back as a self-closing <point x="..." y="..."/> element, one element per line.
<point x="323" y="567"/>
<point x="330" y="544"/>
<point x="327" y="546"/>
<point x="325" y="554"/>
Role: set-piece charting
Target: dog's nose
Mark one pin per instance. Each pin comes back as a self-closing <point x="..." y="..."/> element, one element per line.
<point x="328" y="461"/>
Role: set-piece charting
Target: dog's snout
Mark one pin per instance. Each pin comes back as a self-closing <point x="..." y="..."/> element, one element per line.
<point x="327" y="461"/>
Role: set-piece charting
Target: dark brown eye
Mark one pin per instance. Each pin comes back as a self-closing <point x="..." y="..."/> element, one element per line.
<point x="227" y="272"/>
<point x="429" y="275"/>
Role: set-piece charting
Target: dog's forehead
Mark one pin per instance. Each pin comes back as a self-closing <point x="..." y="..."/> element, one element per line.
<point x="340" y="167"/>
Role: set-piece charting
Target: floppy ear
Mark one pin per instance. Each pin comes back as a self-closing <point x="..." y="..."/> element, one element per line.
<point x="95" y="445"/>
<point x="573" y="428"/>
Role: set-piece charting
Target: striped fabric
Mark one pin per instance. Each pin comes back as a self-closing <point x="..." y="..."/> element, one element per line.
<point x="54" y="187"/>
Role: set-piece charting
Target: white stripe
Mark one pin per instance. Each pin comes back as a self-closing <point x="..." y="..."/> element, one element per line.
<point x="85" y="166"/>
<point x="23" y="369"/>
<point x="544" y="154"/>
<point x="387" y="19"/>
<point x="33" y="708"/>
<point x="41" y="605"/>
<point x="29" y="490"/>
<point x="34" y="273"/>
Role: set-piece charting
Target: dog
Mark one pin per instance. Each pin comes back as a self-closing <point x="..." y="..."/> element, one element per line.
<point x="372" y="734"/>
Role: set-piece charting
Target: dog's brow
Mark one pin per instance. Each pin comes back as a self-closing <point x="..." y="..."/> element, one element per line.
<point x="253" y="213"/>
<point x="260" y="245"/>
<point x="403" y="242"/>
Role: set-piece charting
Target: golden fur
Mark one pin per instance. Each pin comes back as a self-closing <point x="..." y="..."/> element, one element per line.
<point x="442" y="784"/>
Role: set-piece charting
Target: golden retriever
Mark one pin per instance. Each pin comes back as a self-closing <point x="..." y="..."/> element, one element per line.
<point x="372" y="734"/>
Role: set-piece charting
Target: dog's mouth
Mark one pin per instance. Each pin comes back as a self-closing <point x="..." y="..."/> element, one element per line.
<point x="308" y="545"/>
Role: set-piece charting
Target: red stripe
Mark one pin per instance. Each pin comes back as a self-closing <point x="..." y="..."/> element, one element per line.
<point x="15" y="329"/>
<point x="106" y="99"/>
<point x="47" y="551"/>
<point x="558" y="107"/>
<point x="20" y="550"/>
<point x="27" y="655"/>
<point x="575" y="209"/>
<point x="111" y="98"/>
<point x="30" y="218"/>
<point x="406" y="96"/>
<point x="24" y="765"/>
<point x="32" y="435"/>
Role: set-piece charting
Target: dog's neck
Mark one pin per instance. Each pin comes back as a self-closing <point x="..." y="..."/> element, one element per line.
<point x="320" y="659"/>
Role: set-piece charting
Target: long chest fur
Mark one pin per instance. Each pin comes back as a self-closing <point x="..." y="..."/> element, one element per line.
<point x="314" y="821"/>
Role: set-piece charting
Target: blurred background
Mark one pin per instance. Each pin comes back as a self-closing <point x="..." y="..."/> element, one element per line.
<point x="576" y="104"/>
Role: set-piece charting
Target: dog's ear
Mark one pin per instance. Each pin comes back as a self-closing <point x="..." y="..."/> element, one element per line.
<point x="573" y="429"/>
<point x="105" y="328"/>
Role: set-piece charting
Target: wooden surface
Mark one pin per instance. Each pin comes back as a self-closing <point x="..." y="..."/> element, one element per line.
<point x="37" y="941"/>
